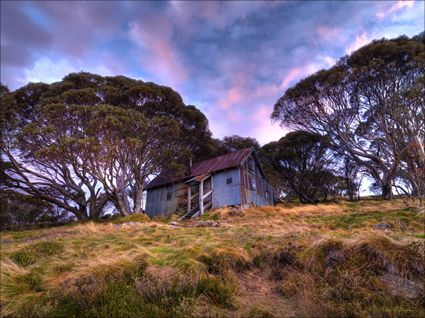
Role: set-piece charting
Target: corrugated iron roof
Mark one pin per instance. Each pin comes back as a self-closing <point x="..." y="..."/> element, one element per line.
<point x="223" y="162"/>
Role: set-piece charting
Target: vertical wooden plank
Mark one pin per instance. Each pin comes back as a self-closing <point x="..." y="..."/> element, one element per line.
<point x="189" y="197"/>
<point x="201" y="199"/>
<point x="212" y="196"/>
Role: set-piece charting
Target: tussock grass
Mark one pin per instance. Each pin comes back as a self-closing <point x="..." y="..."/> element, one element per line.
<point x="354" y="277"/>
<point x="225" y="259"/>
<point x="136" y="217"/>
<point x="19" y="290"/>
<point x="287" y="260"/>
<point x="94" y="228"/>
<point x="32" y="253"/>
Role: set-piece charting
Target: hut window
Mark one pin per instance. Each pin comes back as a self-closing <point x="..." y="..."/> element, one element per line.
<point x="169" y="193"/>
<point x="229" y="181"/>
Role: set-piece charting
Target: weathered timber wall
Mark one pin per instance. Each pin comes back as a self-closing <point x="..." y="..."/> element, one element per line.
<point x="226" y="194"/>
<point x="157" y="203"/>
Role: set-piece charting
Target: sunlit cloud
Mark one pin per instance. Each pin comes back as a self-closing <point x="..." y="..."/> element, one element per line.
<point x="361" y="40"/>
<point x="394" y="8"/>
<point x="158" y="57"/>
<point x="48" y="71"/>
<point x="231" y="59"/>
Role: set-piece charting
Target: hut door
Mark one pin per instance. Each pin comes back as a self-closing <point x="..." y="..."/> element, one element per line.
<point x="193" y="196"/>
<point x="199" y="194"/>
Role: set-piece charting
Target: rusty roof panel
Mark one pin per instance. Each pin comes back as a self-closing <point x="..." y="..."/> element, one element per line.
<point x="226" y="161"/>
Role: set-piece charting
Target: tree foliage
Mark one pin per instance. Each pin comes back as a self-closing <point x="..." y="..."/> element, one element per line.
<point x="370" y="104"/>
<point x="89" y="140"/>
<point x="305" y="162"/>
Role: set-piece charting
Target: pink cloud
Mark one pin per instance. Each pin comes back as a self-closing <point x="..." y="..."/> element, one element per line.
<point x="247" y="112"/>
<point x="401" y="4"/>
<point x="380" y="15"/>
<point x="233" y="96"/>
<point x="328" y="33"/>
<point x="257" y="124"/>
<point x="395" y="7"/>
<point x="161" y="60"/>
<point x="360" y="41"/>
<point x="330" y="61"/>
<point x="236" y="92"/>
<point x="265" y="130"/>
<point x="290" y="77"/>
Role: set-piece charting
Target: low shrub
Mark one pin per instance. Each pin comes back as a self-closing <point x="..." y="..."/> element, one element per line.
<point x="120" y="299"/>
<point x="259" y="313"/>
<point x="223" y="260"/>
<point x="217" y="291"/>
<point x="371" y="275"/>
<point x="143" y="296"/>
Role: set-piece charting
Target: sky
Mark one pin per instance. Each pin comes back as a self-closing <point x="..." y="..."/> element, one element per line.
<point x="232" y="60"/>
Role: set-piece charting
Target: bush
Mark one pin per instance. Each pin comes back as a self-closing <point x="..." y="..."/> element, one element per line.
<point x="120" y="299"/>
<point x="338" y="278"/>
<point x="221" y="261"/>
<point x="216" y="290"/>
<point x="259" y="313"/>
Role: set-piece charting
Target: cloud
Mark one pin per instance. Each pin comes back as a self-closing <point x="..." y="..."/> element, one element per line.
<point x="290" y="77"/>
<point x="361" y="40"/>
<point x="159" y="57"/>
<point x="234" y="58"/>
<point x="394" y="7"/>
<point x="264" y="130"/>
<point x="329" y="33"/>
<point x="49" y="71"/>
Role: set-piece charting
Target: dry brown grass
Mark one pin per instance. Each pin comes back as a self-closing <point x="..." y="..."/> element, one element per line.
<point x="286" y="260"/>
<point x="94" y="228"/>
<point x="18" y="289"/>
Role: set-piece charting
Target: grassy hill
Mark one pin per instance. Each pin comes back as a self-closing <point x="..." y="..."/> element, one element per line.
<point x="338" y="259"/>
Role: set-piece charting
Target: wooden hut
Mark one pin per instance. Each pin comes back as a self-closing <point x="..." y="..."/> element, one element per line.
<point x="234" y="179"/>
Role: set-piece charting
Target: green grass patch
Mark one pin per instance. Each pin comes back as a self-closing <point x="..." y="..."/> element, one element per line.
<point x="419" y="235"/>
<point x="64" y="267"/>
<point x="30" y="254"/>
<point x="19" y="235"/>
<point x="48" y="247"/>
<point x="24" y="257"/>
<point x="136" y="217"/>
<point x="146" y="297"/>
<point x="32" y="281"/>
<point x="362" y="219"/>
